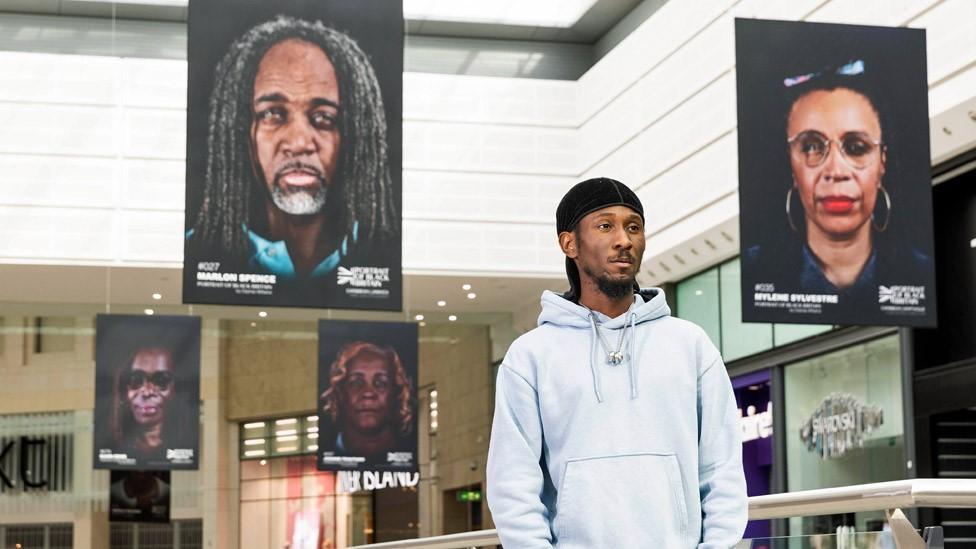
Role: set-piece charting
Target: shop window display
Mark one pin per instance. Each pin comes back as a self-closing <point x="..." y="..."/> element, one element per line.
<point x="844" y="426"/>
<point x="286" y="502"/>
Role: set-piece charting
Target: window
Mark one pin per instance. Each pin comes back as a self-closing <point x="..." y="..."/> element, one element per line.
<point x="698" y="301"/>
<point x="287" y="436"/>
<point x="844" y="422"/>
<point x="712" y="299"/>
<point x="54" y="334"/>
<point x="178" y="534"/>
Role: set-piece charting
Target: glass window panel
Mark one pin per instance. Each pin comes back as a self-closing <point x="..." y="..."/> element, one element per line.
<point x="698" y="302"/>
<point x="55" y="334"/>
<point x="836" y="396"/>
<point x="788" y="333"/>
<point x="739" y="339"/>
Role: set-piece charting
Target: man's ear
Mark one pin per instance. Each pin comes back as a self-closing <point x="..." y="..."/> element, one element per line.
<point x="567" y="241"/>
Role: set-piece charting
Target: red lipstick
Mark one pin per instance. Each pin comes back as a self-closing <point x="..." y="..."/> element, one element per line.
<point x="838" y="204"/>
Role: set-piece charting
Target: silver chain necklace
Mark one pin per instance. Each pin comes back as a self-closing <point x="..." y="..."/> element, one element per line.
<point x="613" y="357"/>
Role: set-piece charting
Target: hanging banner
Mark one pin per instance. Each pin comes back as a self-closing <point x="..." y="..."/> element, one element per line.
<point x="293" y="181"/>
<point x="835" y="193"/>
<point x="147" y="392"/>
<point x="139" y="496"/>
<point x="368" y="398"/>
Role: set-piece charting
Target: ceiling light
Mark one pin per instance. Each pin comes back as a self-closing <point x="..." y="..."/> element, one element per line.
<point x="263" y="314"/>
<point x="254" y="425"/>
<point x="254" y="324"/>
<point x="418" y="317"/>
<point x="157" y="297"/>
<point x="263" y="462"/>
<point x="312" y="418"/>
<point x="452" y="318"/>
<point x="149" y="311"/>
<point x="286" y="421"/>
<point x="441" y="303"/>
<point x="699" y="292"/>
<point x="465" y="287"/>
<point x="422" y="324"/>
<point x="472" y="295"/>
<point x="972" y="243"/>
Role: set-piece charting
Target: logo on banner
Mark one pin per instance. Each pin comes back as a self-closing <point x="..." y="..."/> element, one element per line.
<point x="364" y="281"/>
<point x="839" y="424"/>
<point x="901" y="295"/>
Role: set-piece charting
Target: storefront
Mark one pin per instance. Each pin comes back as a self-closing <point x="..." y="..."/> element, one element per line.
<point x="754" y="399"/>
<point x="835" y="394"/>
<point x="844" y="425"/>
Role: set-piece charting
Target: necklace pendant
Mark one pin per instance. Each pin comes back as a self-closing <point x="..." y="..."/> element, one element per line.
<point x="615" y="358"/>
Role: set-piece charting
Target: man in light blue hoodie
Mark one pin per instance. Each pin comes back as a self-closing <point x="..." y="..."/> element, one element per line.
<point x="615" y="424"/>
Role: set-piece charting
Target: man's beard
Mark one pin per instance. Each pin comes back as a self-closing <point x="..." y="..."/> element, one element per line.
<point x="614" y="289"/>
<point x="299" y="201"/>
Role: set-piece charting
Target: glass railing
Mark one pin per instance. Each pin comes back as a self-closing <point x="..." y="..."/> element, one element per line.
<point x="890" y="497"/>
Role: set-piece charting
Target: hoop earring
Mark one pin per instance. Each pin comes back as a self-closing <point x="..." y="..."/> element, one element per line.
<point x="887" y="199"/>
<point x="789" y="214"/>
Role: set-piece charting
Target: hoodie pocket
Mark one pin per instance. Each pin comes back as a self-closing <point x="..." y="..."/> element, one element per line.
<point x="613" y="501"/>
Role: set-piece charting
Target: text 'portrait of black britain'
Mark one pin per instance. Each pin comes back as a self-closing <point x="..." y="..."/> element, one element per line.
<point x="297" y="174"/>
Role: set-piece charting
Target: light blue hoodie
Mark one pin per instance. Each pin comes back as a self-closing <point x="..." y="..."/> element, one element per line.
<point x="645" y="454"/>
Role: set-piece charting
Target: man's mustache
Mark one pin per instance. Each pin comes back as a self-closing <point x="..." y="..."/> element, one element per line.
<point x="298" y="165"/>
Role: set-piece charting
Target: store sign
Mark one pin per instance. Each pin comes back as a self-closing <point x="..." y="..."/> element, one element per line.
<point x="357" y="481"/>
<point x="756" y="426"/>
<point x="19" y="463"/>
<point x="469" y="495"/>
<point x="839" y="424"/>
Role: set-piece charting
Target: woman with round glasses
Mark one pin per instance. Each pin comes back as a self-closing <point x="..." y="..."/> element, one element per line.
<point x="145" y="419"/>
<point x="837" y="204"/>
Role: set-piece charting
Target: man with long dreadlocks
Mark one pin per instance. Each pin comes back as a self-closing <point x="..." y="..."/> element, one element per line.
<point x="297" y="177"/>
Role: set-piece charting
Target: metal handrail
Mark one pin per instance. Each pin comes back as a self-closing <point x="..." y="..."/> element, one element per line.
<point x="898" y="494"/>
<point x="879" y="496"/>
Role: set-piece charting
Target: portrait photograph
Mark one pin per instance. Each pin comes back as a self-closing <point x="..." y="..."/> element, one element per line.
<point x="835" y="188"/>
<point x="147" y="392"/>
<point x="294" y="153"/>
<point x="139" y="496"/>
<point x="367" y="396"/>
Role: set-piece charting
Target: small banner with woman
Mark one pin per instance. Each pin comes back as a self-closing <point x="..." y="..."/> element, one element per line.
<point x="147" y="392"/>
<point x="367" y="396"/>
<point x="835" y="203"/>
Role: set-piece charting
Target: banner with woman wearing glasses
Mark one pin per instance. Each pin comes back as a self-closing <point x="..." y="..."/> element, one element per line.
<point x="835" y="205"/>
<point x="147" y="392"/>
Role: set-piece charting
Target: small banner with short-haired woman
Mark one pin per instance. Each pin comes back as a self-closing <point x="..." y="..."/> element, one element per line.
<point x="367" y="396"/>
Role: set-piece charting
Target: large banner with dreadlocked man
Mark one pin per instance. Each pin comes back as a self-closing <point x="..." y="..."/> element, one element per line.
<point x="293" y="181"/>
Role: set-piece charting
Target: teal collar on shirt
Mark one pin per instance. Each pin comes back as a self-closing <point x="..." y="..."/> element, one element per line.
<point x="273" y="257"/>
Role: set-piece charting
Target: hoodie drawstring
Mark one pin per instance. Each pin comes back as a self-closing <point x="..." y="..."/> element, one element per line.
<point x="593" y="365"/>
<point x="631" y="364"/>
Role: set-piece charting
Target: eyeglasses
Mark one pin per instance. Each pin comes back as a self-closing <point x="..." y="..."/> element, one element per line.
<point x="813" y="148"/>
<point x="137" y="379"/>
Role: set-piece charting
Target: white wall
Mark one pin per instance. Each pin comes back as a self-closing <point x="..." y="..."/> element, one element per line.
<point x="92" y="150"/>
